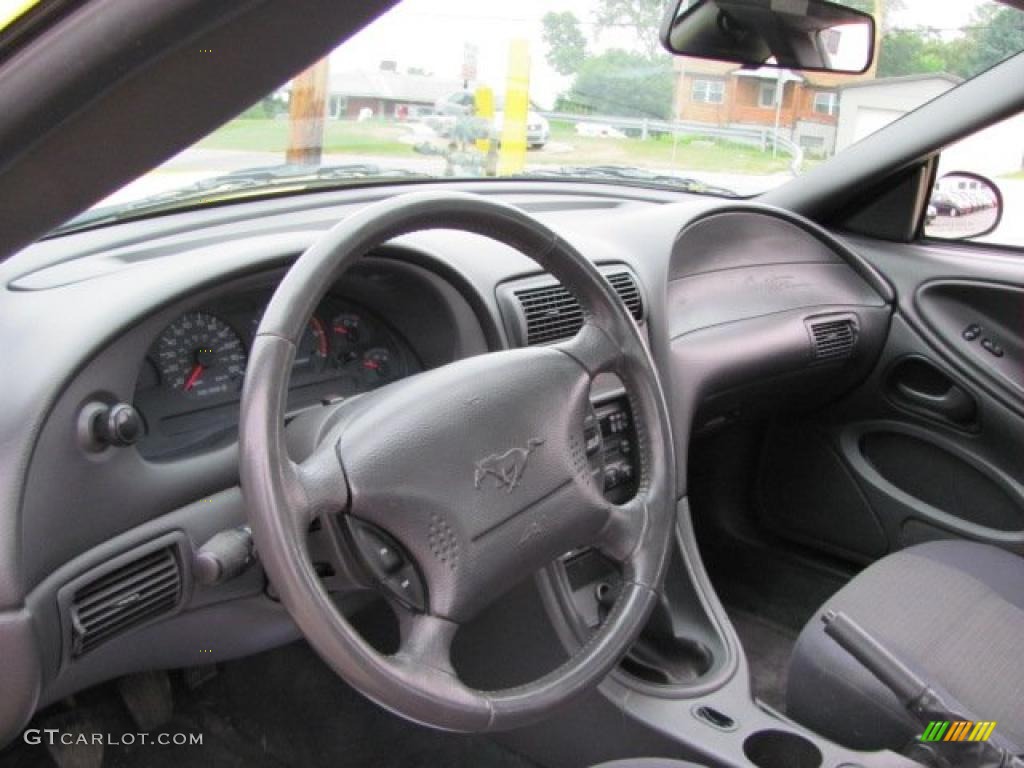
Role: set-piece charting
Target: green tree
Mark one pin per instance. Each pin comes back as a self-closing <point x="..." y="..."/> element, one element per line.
<point x="623" y="83"/>
<point x="566" y="45"/>
<point x="642" y="18"/>
<point x="996" y="33"/>
<point x="912" y="52"/>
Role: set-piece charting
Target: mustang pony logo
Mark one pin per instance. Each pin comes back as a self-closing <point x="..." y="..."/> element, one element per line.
<point x="506" y="468"/>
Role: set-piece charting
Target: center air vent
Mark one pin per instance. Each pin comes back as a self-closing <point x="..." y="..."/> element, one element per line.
<point x="833" y="339"/>
<point x="131" y="591"/>
<point x="550" y="313"/>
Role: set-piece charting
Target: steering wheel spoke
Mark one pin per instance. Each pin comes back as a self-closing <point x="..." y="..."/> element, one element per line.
<point x="593" y="348"/>
<point x="425" y="639"/>
<point x="323" y="484"/>
<point x="624" y="532"/>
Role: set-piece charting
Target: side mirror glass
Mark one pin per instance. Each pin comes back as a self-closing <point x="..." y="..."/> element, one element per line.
<point x="963" y="205"/>
<point x="810" y="35"/>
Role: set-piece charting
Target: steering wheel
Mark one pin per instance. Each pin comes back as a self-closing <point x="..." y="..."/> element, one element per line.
<point x="458" y="482"/>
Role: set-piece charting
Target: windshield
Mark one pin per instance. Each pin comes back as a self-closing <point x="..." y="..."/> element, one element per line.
<point x="575" y="90"/>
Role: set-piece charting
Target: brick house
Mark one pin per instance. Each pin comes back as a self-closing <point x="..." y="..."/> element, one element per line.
<point x="385" y="92"/>
<point x="722" y="94"/>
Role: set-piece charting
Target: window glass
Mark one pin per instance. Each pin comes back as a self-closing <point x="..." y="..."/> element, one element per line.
<point x="961" y="205"/>
<point x="12" y="10"/>
<point x="826" y="103"/>
<point x="578" y="90"/>
<point x="708" y="91"/>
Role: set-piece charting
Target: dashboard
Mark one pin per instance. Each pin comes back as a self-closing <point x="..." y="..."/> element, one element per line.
<point x="190" y="382"/>
<point x="161" y="314"/>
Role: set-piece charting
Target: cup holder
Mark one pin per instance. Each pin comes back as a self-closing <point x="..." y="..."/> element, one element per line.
<point x="781" y="749"/>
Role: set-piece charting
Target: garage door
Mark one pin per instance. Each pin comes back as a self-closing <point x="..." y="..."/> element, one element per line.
<point x="871" y="119"/>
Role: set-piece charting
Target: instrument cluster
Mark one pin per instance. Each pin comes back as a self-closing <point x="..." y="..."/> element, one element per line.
<point x="190" y="382"/>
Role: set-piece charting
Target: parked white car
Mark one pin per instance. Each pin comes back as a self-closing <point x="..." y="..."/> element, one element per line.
<point x="461" y="104"/>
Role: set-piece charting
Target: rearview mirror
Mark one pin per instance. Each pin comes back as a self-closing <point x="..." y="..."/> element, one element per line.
<point x="794" y="34"/>
<point x="963" y="205"/>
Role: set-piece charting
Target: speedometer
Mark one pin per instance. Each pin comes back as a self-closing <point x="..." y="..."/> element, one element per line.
<point x="200" y="356"/>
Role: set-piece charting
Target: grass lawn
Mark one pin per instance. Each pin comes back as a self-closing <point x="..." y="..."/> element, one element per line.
<point x="687" y="153"/>
<point x="565" y="148"/>
<point x="340" y="136"/>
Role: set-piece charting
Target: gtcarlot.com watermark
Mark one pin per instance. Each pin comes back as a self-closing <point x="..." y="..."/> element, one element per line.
<point x="54" y="736"/>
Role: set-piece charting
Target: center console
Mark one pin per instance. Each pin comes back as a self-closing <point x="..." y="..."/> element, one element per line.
<point x="679" y="646"/>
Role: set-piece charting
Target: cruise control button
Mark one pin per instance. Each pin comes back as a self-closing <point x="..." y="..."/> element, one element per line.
<point x="390" y="561"/>
<point x="407" y="588"/>
<point x="381" y="554"/>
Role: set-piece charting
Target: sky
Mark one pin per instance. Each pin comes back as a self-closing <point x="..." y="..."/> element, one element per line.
<point x="946" y="15"/>
<point x="432" y="34"/>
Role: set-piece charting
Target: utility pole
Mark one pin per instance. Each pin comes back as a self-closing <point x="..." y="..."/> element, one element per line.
<point x="307" y="108"/>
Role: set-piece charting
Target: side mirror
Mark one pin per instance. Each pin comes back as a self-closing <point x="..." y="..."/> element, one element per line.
<point x="796" y="34"/>
<point x="963" y="205"/>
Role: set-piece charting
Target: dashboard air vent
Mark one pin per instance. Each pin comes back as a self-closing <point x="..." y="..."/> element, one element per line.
<point x="552" y="313"/>
<point x="131" y="594"/>
<point x="833" y="339"/>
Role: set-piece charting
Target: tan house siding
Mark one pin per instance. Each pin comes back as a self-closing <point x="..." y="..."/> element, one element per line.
<point x="748" y="107"/>
<point x="697" y="111"/>
<point x="734" y="104"/>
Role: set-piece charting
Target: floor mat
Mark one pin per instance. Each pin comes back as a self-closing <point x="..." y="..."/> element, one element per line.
<point x="776" y="586"/>
<point x="768" y="647"/>
<point x="276" y="710"/>
<point x="770" y="594"/>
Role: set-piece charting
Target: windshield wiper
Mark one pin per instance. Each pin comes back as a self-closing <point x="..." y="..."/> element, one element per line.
<point x="254" y="181"/>
<point x="631" y="174"/>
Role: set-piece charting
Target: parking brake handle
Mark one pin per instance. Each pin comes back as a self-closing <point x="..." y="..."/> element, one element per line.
<point x="919" y="698"/>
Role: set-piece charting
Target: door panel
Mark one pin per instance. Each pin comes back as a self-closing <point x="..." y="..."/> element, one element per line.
<point x="931" y="445"/>
<point x="981" y="323"/>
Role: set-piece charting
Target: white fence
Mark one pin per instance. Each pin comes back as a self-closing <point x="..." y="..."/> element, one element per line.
<point x="764" y="138"/>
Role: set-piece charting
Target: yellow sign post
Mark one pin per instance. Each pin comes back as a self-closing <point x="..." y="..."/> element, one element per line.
<point x="484" y="101"/>
<point x="517" y="104"/>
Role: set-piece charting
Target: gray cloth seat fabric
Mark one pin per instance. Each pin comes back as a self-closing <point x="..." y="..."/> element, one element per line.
<point x="952" y="611"/>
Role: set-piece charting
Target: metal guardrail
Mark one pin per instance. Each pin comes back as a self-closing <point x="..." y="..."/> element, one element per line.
<point x="765" y="138"/>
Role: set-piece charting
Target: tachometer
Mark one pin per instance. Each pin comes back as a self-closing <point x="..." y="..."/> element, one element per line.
<point x="200" y="356"/>
<point x="313" y="348"/>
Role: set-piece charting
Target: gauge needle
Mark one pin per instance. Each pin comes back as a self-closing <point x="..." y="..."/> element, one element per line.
<point x="197" y="372"/>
